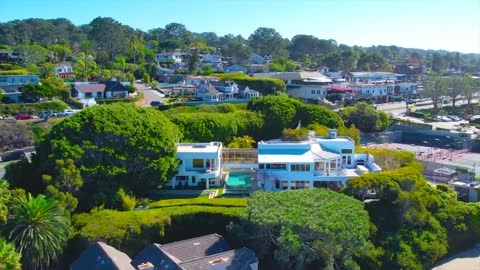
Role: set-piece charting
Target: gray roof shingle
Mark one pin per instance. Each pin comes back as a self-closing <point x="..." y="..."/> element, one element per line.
<point x="101" y="256"/>
<point x="239" y="259"/>
<point x="196" y="247"/>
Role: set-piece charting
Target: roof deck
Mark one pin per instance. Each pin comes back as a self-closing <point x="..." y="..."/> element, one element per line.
<point x="211" y="147"/>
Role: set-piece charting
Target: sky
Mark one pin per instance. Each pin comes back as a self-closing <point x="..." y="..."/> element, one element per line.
<point x="452" y="25"/>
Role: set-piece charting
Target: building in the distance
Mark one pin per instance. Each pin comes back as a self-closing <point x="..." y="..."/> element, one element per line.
<point x="64" y="70"/>
<point x="12" y="85"/>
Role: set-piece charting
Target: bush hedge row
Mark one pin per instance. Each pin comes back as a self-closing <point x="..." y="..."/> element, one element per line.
<point x="32" y="108"/>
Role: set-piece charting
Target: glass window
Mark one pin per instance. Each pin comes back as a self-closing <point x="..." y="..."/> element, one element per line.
<point x="198" y="163"/>
<point x="333" y="164"/>
<point x="182" y="178"/>
<point x="193" y="179"/>
<point x="319" y="166"/>
<point x="277" y="166"/>
<point x="349" y="160"/>
<point x="347" y="151"/>
<point x="313" y="92"/>
<point x="261" y="166"/>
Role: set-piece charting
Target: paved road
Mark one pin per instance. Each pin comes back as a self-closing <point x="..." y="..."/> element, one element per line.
<point x="3" y="165"/>
<point x="149" y="95"/>
<point x="399" y="108"/>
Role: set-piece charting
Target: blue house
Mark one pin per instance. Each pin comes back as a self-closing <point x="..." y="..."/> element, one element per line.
<point x="236" y="68"/>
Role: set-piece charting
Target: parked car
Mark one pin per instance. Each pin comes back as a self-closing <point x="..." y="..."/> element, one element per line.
<point x="155" y="103"/>
<point x="66" y="113"/>
<point x="23" y="116"/>
<point x="13" y="156"/>
<point x="43" y="114"/>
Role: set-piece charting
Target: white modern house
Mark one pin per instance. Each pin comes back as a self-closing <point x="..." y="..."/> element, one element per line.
<point x="315" y="162"/>
<point x="311" y="163"/>
<point x="13" y="83"/>
<point x="211" y="58"/>
<point x="200" y="165"/>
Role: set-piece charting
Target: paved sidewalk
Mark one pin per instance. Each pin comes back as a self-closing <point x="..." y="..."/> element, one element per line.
<point x="466" y="260"/>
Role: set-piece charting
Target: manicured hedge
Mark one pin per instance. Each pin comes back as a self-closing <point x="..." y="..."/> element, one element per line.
<point x="230" y="202"/>
<point x="32" y="108"/>
<point x="175" y="220"/>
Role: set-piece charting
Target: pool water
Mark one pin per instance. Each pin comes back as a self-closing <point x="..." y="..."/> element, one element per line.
<point x="239" y="180"/>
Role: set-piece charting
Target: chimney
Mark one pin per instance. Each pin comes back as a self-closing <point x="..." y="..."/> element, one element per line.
<point x="332" y="133"/>
<point x="219" y="264"/>
<point x="145" y="266"/>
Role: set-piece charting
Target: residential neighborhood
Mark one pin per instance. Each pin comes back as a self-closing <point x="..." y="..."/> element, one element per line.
<point x="239" y="136"/>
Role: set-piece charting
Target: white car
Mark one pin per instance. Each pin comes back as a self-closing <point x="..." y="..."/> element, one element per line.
<point x="66" y="113"/>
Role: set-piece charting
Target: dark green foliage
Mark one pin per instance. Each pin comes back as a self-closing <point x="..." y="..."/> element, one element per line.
<point x="113" y="146"/>
<point x="121" y="100"/>
<point x="365" y="117"/>
<point x="223" y="127"/>
<point x="280" y="112"/>
<point x="266" y="86"/>
<point x="32" y="108"/>
<point x="131" y="231"/>
<point x="304" y="228"/>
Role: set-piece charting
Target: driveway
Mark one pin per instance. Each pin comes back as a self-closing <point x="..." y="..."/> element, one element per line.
<point x="149" y="95"/>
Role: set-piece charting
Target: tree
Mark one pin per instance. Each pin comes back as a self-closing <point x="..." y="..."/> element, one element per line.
<point x="277" y="111"/>
<point x="438" y="62"/>
<point x="32" y="55"/>
<point x="365" y="117"/>
<point x="57" y="85"/>
<point x="456" y="85"/>
<point x="39" y="229"/>
<point x="176" y="30"/>
<point x="267" y="41"/>
<point x="121" y="60"/>
<point x="192" y="64"/>
<point x="333" y="61"/>
<point x="112" y="152"/>
<point x="434" y="87"/>
<point x="86" y="48"/>
<point x="109" y="35"/>
<point x="241" y="142"/>
<point x="207" y="69"/>
<point x="315" y="228"/>
<point x="9" y="258"/>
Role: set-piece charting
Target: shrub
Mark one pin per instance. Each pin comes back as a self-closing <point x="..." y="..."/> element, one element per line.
<point x="128" y="202"/>
<point x="32" y="108"/>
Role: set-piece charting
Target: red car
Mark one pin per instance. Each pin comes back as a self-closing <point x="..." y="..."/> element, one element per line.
<point x="23" y="116"/>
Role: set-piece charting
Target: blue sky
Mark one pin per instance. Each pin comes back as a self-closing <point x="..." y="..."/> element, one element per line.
<point x="427" y="24"/>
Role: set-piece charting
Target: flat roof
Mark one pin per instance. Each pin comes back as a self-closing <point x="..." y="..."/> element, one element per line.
<point x="285" y="156"/>
<point x="212" y="147"/>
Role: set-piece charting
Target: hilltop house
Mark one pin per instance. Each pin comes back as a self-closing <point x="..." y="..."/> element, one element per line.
<point x="64" y="70"/>
<point x="216" y="91"/>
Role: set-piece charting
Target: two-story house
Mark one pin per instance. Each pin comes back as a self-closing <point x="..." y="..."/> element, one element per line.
<point x="64" y="70"/>
<point x="314" y="162"/>
<point x="200" y="165"/>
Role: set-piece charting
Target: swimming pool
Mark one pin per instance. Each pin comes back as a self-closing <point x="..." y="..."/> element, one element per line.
<point x="239" y="180"/>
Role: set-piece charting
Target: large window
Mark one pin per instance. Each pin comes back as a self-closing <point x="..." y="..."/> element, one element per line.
<point x="319" y="166"/>
<point x="276" y="166"/>
<point x="198" y="163"/>
<point x="299" y="184"/>
<point x="300" y="167"/>
<point x="347" y="151"/>
<point x="333" y="164"/>
<point x="182" y="178"/>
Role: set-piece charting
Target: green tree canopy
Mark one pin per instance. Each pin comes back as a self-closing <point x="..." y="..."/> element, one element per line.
<point x="365" y="117"/>
<point x="113" y="146"/>
<point x="305" y="228"/>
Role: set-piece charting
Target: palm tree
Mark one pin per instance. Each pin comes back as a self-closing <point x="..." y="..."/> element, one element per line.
<point x="38" y="228"/>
